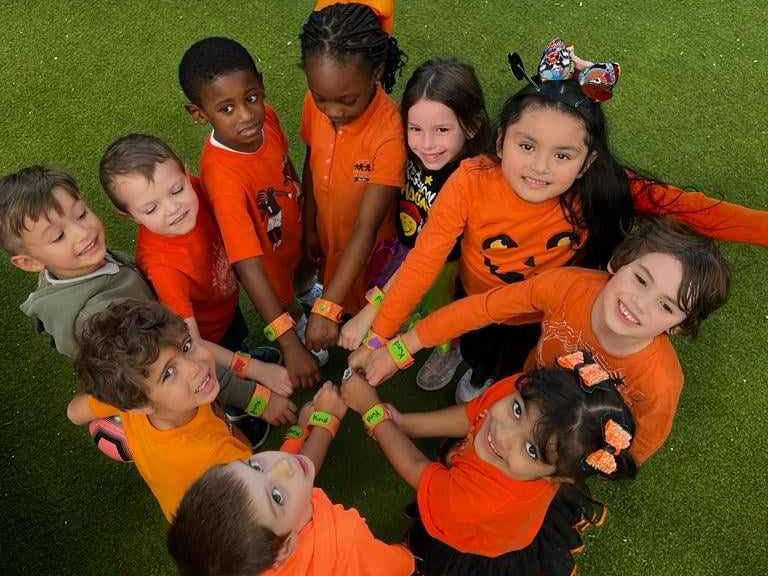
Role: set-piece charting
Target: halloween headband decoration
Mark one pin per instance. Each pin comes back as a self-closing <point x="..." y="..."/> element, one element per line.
<point x="559" y="63"/>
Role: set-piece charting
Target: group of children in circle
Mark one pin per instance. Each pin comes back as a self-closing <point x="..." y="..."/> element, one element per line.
<point x="522" y="249"/>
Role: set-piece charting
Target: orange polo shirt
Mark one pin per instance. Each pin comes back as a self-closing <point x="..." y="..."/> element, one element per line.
<point x="257" y="204"/>
<point x="190" y="273"/>
<point x="338" y="541"/>
<point x="507" y="239"/>
<point x="368" y="150"/>
<point x="473" y="506"/>
<point x="652" y="377"/>
<point x="170" y="461"/>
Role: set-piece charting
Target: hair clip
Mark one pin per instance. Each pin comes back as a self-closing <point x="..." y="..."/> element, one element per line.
<point x="590" y="373"/>
<point x="559" y="63"/>
<point x="571" y="361"/>
<point x="616" y="439"/>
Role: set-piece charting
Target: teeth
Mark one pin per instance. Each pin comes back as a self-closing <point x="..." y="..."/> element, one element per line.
<point x="627" y="314"/>
<point x="203" y="384"/>
<point x="493" y="446"/>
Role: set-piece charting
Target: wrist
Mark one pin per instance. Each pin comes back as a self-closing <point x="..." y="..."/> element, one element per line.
<point x="399" y="353"/>
<point x="259" y="401"/>
<point x="328" y="309"/>
<point x="374" y="416"/>
<point x="325" y="420"/>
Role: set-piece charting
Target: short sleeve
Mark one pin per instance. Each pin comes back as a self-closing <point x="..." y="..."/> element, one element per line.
<point x="229" y="198"/>
<point x="389" y="163"/>
<point x="172" y="288"/>
<point x="101" y="409"/>
<point x="233" y="391"/>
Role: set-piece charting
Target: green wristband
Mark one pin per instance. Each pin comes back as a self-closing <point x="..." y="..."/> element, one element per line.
<point x="400" y="353"/>
<point x="295" y="432"/>
<point x="375" y="416"/>
<point x="259" y="401"/>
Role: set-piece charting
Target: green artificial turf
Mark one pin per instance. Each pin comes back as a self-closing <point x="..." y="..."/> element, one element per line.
<point x="690" y="108"/>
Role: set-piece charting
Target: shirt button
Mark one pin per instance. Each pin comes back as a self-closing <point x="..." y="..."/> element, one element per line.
<point x="328" y="161"/>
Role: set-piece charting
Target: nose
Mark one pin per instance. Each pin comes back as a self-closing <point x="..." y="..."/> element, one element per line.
<point x="283" y="468"/>
<point x="541" y="163"/>
<point x="246" y="114"/>
<point x="429" y="140"/>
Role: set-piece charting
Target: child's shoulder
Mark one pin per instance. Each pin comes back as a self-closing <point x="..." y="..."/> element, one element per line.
<point x="478" y="166"/>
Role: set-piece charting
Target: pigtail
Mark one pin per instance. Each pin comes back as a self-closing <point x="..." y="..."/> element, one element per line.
<point x="394" y="63"/>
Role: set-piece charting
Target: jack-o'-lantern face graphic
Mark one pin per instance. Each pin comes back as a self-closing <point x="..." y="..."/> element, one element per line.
<point x="505" y="259"/>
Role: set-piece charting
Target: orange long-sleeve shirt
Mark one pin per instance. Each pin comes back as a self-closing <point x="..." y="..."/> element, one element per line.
<point x="653" y="377"/>
<point x="507" y="239"/>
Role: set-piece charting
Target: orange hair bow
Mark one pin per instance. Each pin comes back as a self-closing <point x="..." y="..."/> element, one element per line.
<point x="590" y="372"/>
<point x="617" y="439"/>
<point x="384" y="10"/>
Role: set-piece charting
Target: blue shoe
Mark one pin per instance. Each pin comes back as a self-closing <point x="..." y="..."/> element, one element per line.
<point x="268" y="354"/>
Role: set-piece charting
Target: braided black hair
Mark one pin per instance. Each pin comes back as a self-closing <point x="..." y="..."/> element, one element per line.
<point x="209" y="58"/>
<point x="343" y="30"/>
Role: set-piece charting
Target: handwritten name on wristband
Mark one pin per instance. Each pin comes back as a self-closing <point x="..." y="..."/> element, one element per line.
<point x="375" y="416"/>
<point x="399" y="353"/>
<point x="259" y="401"/>
<point x="324" y="420"/>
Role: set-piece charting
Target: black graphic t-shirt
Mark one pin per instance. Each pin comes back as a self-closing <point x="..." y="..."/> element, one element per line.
<point x="417" y="196"/>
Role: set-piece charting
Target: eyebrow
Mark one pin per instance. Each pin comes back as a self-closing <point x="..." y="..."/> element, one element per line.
<point x="532" y="139"/>
<point x="667" y="296"/>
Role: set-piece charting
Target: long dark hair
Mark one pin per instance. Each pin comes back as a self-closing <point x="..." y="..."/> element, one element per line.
<point x="600" y="201"/>
<point x="344" y="30"/>
<point x="454" y="84"/>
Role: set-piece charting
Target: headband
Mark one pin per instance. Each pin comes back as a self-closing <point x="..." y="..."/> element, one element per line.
<point x="558" y="64"/>
<point x="384" y="10"/>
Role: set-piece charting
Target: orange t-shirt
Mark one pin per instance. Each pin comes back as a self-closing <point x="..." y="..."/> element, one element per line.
<point x="384" y="10"/>
<point x="191" y="274"/>
<point x="473" y="506"/>
<point x="257" y="204"/>
<point x="338" y="541"/>
<point x="369" y="150"/>
<point x="653" y="377"/>
<point x="171" y="460"/>
<point x="507" y="239"/>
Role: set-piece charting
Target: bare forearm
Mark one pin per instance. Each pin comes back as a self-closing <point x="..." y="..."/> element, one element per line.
<point x="407" y="460"/>
<point x="316" y="446"/>
<point x="449" y="422"/>
<point x="351" y="263"/>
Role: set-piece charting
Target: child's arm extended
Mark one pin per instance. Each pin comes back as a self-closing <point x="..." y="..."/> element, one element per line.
<point x="355" y="329"/>
<point x="708" y="216"/>
<point x="451" y="422"/>
<point x="402" y="453"/>
<point x="312" y="249"/>
<point x="327" y="399"/>
<point x="83" y="408"/>
<point x="322" y="332"/>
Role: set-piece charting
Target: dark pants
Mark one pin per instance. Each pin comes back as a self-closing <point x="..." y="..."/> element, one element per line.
<point x="498" y="350"/>
<point x="236" y="333"/>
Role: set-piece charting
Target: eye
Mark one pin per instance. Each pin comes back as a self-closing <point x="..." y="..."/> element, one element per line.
<point x="255" y="465"/>
<point x="186" y="346"/>
<point x="253" y="98"/>
<point x="531" y="451"/>
<point x="84" y="214"/>
<point x="150" y="210"/>
<point x="640" y="280"/>
<point x="170" y="372"/>
<point x="562" y="156"/>
<point x="517" y="409"/>
<point x="177" y="191"/>
<point x="526" y="147"/>
<point x="59" y="237"/>
<point x="443" y="130"/>
<point x="278" y="497"/>
<point x="414" y="129"/>
<point x="226" y="109"/>
<point x="666" y="307"/>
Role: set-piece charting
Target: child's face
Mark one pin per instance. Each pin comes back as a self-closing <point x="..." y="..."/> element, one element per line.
<point x="341" y="90"/>
<point x="167" y="205"/>
<point x="68" y="245"/>
<point x="506" y="440"/>
<point x="280" y="486"/>
<point x="543" y="153"/>
<point x="182" y="378"/>
<point x="639" y="302"/>
<point x="434" y="133"/>
<point x="234" y="104"/>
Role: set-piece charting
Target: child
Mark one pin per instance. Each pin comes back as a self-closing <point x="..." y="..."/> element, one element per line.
<point x="138" y="360"/>
<point x="443" y="109"/>
<point x="263" y="516"/>
<point x="252" y="187"/>
<point x="46" y="228"/>
<point x="554" y="195"/>
<point x="506" y="500"/>
<point x="179" y="249"/>
<point x="355" y="157"/>
<point x="665" y="280"/>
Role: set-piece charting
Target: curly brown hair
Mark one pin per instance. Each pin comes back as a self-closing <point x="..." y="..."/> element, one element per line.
<point x="119" y="345"/>
<point x="706" y="280"/>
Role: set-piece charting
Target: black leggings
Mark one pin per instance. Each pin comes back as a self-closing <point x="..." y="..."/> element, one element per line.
<point x="498" y="350"/>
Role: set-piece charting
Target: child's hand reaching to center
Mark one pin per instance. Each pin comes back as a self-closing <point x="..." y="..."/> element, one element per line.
<point x="357" y="393"/>
<point x="273" y="376"/>
<point x="279" y="411"/>
<point x="328" y="399"/>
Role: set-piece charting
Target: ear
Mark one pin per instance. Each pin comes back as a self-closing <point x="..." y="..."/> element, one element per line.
<point x="674" y="330"/>
<point x="196" y="112"/>
<point x="287" y="549"/>
<point x="27" y="263"/>
<point x="124" y="214"/>
<point x="587" y="163"/>
<point x="499" y="142"/>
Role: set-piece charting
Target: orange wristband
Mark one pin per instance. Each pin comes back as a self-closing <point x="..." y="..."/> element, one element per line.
<point x="279" y="326"/>
<point x="259" y="401"/>
<point x="239" y="364"/>
<point x="328" y="309"/>
<point x="294" y="439"/>
<point x="325" y="420"/>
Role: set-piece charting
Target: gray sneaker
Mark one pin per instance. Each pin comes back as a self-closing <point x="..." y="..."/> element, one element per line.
<point x="465" y="392"/>
<point x="437" y="372"/>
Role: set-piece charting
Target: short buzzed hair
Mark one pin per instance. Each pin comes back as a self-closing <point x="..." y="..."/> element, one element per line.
<point x="28" y="194"/>
<point x="133" y="154"/>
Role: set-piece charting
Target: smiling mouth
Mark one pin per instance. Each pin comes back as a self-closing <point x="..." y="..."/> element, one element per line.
<point x="535" y="182"/>
<point x="492" y="445"/>
<point x="252" y="130"/>
<point x="180" y="218"/>
<point x="90" y="247"/>
<point x="205" y="385"/>
<point x="627" y="315"/>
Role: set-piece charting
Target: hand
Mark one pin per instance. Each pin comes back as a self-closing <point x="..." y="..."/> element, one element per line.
<point x="305" y="414"/>
<point x="273" y="376"/>
<point x="359" y="358"/>
<point x="321" y="332"/>
<point x="355" y="329"/>
<point x="328" y="399"/>
<point x="312" y="248"/>
<point x="358" y="394"/>
<point x="397" y="417"/>
<point x="302" y="367"/>
<point x="279" y="411"/>
<point x="379" y="366"/>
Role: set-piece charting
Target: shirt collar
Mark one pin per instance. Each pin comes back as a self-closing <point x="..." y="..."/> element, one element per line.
<point x="110" y="268"/>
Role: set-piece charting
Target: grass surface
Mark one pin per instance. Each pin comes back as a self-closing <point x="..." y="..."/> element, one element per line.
<point x="690" y="108"/>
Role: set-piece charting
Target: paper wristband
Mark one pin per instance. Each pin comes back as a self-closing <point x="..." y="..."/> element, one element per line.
<point x="373" y="341"/>
<point x="328" y="309"/>
<point x="375" y="416"/>
<point x="400" y="353"/>
<point x="259" y="401"/>
<point x="239" y="364"/>
<point x="375" y="297"/>
<point x="324" y="420"/>
<point x="294" y="439"/>
<point x="279" y="326"/>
